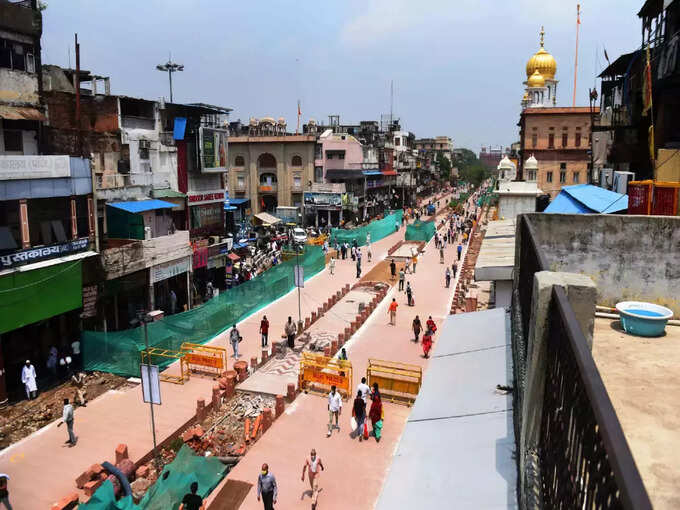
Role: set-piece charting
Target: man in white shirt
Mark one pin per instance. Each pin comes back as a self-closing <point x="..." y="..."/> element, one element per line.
<point x="334" y="409"/>
<point x="364" y="389"/>
<point x="28" y="377"/>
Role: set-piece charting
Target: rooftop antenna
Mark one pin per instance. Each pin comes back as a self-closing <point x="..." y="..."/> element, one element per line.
<point x="578" y="24"/>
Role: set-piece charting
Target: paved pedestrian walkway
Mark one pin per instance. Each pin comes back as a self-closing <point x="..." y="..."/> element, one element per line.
<point x="355" y="472"/>
<point x="43" y="469"/>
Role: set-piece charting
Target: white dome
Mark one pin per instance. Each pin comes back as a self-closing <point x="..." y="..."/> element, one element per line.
<point x="506" y="164"/>
<point x="531" y="163"/>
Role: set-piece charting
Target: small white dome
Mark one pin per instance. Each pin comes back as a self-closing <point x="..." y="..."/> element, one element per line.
<point x="531" y="163"/>
<point x="506" y="164"/>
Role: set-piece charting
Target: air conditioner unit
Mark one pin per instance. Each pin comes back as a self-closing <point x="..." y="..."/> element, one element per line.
<point x="621" y="180"/>
<point x="123" y="166"/>
<point x="144" y="144"/>
<point x="606" y="178"/>
<point x="213" y="239"/>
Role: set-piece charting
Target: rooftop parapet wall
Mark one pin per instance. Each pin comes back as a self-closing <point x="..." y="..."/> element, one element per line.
<point x="628" y="257"/>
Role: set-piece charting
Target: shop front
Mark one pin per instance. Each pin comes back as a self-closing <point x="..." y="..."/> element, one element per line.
<point x="206" y="213"/>
<point x="168" y="278"/>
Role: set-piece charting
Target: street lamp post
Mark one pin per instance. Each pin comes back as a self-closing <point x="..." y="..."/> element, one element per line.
<point x="170" y="67"/>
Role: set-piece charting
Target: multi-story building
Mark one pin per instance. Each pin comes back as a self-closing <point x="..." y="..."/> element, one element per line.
<point x="270" y="166"/>
<point x="491" y="157"/>
<point x="47" y="215"/>
<point x="558" y="137"/>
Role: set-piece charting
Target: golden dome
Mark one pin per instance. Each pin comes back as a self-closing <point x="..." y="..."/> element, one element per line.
<point x="543" y="61"/>
<point x="536" y="80"/>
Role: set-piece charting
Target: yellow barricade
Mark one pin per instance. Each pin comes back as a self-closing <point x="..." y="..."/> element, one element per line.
<point x="204" y="358"/>
<point x="318" y="373"/>
<point x="164" y="354"/>
<point x="398" y="382"/>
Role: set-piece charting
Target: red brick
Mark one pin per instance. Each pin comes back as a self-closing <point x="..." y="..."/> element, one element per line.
<point x="280" y="405"/>
<point x="97" y="469"/>
<point x="256" y="427"/>
<point x="290" y="392"/>
<point x="67" y="503"/>
<point x="84" y="478"/>
<point x="91" y="487"/>
<point x="121" y="452"/>
<point x="253" y="362"/>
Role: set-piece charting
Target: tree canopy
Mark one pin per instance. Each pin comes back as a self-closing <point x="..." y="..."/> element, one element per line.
<point x="470" y="168"/>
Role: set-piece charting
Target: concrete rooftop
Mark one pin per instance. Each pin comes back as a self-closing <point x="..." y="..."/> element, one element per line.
<point x="518" y="188"/>
<point x="496" y="259"/>
<point x="457" y="447"/>
<point x="641" y="377"/>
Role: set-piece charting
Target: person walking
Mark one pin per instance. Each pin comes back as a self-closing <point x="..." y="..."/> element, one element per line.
<point x="431" y="325"/>
<point x="417" y="328"/>
<point x="334" y="409"/>
<point x="264" y="331"/>
<point x="364" y="389"/>
<point x="393" y="269"/>
<point x="266" y="488"/>
<point x="358" y="267"/>
<point x="173" y="302"/>
<point x="28" y="378"/>
<point x="402" y="277"/>
<point x="447" y="277"/>
<point x="369" y="252"/>
<point x="409" y="294"/>
<point x="75" y="352"/>
<point x="4" y="491"/>
<point x="392" y="311"/>
<point x="376" y="413"/>
<point x="441" y="254"/>
<point x="312" y="466"/>
<point x="191" y="500"/>
<point x="234" y="339"/>
<point x="455" y="269"/>
<point x="427" y="343"/>
<point x="67" y="418"/>
<point x="414" y="261"/>
<point x="331" y="265"/>
<point x="290" y="329"/>
<point x="459" y="249"/>
<point x="359" y="413"/>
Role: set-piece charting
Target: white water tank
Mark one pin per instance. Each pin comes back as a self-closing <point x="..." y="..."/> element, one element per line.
<point x="621" y="180"/>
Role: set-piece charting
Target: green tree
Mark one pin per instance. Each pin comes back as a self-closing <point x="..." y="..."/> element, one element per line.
<point x="470" y="168"/>
<point x="444" y="166"/>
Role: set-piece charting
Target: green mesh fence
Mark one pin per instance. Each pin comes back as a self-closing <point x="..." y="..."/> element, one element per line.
<point x="420" y="231"/>
<point x="378" y="230"/>
<point x="167" y="493"/>
<point x="118" y="352"/>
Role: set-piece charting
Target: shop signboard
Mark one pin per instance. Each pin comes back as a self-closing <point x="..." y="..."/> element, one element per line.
<point x="34" y="167"/>
<point x="200" y="257"/>
<point x="169" y="269"/>
<point x="89" y="301"/>
<point x="205" y="197"/>
<point x="327" y="200"/>
<point x="45" y="252"/>
<point x="213" y="149"/>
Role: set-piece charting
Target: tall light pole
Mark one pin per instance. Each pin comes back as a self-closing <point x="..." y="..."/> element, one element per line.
<point x="170" y="67"/>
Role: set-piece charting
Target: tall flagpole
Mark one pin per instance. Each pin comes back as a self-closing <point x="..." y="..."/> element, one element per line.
<point x="578" y="24"/>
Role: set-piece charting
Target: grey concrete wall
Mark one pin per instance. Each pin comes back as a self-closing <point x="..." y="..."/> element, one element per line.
<point x="627" y="257"/>
<point x="509" y="206"/>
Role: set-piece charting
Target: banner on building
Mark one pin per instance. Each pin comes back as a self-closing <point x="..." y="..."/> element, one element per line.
<point x="89" y="301"/>
<point x="34" y="167"/>
<point x="169" y="269"/>
<point x="213" y="149"/>
<point x="36" y="254"/>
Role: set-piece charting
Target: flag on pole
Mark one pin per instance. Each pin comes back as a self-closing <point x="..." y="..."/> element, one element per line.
<point x="299" y="111"/>
<point x="651" y="143"/>
<point x="647" y="86"/>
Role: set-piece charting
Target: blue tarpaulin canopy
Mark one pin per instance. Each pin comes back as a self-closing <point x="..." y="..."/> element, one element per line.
<point x="587" y="199"/>
<point x="236" y="201"/>
<point x="372" y="172"/>
<point x="141" y="205"/>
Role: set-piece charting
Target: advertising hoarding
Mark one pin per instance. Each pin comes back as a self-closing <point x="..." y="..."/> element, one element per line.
<point x="213" y="149"/>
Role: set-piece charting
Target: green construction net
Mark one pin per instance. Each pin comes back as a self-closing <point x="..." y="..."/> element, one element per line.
<point x="378" y="230"/>
<point x="420" y="231"/>
<point x="167" y="493"/>
<point x="118" y="352"/>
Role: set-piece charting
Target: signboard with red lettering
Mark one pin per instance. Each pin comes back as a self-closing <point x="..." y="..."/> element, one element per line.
<point x="205" y="197"/>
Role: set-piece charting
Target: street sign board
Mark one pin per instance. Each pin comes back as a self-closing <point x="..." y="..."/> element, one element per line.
<point x="299" y="276"/>
<point x="151" y="384"/>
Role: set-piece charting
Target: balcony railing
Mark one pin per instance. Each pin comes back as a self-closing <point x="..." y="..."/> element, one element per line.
<point x="583" y="458"/>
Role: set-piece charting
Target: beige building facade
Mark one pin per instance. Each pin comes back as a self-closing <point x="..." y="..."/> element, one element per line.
<point x="271" y="170"/>
<point x="559" y="139"/>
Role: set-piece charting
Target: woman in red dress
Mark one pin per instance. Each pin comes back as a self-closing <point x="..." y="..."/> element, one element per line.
<point x="427" y="342"/>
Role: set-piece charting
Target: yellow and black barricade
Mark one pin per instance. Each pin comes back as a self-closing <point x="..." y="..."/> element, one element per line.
<point x="204" y="358"/>
<point x="152" y="353"/>
<point x="318" y="373"/>
<point x="398" y="382"/>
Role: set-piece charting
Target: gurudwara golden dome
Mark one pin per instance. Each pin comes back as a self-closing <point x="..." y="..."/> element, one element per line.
<point x="543" y="61"/>
<point x="536" y="80"/>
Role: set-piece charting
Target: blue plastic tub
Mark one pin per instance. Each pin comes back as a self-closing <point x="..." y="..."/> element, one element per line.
<point x="643" y="319"/>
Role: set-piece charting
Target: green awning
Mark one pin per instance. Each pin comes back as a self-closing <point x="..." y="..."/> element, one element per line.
<point x="167" y="193"/>
<point x="31" y="296"/>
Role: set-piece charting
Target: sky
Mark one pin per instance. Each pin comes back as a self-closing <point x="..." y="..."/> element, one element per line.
<point x="457" y="65"/>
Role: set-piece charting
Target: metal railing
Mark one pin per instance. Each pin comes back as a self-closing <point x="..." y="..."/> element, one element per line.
<point x="584" y="461"/>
